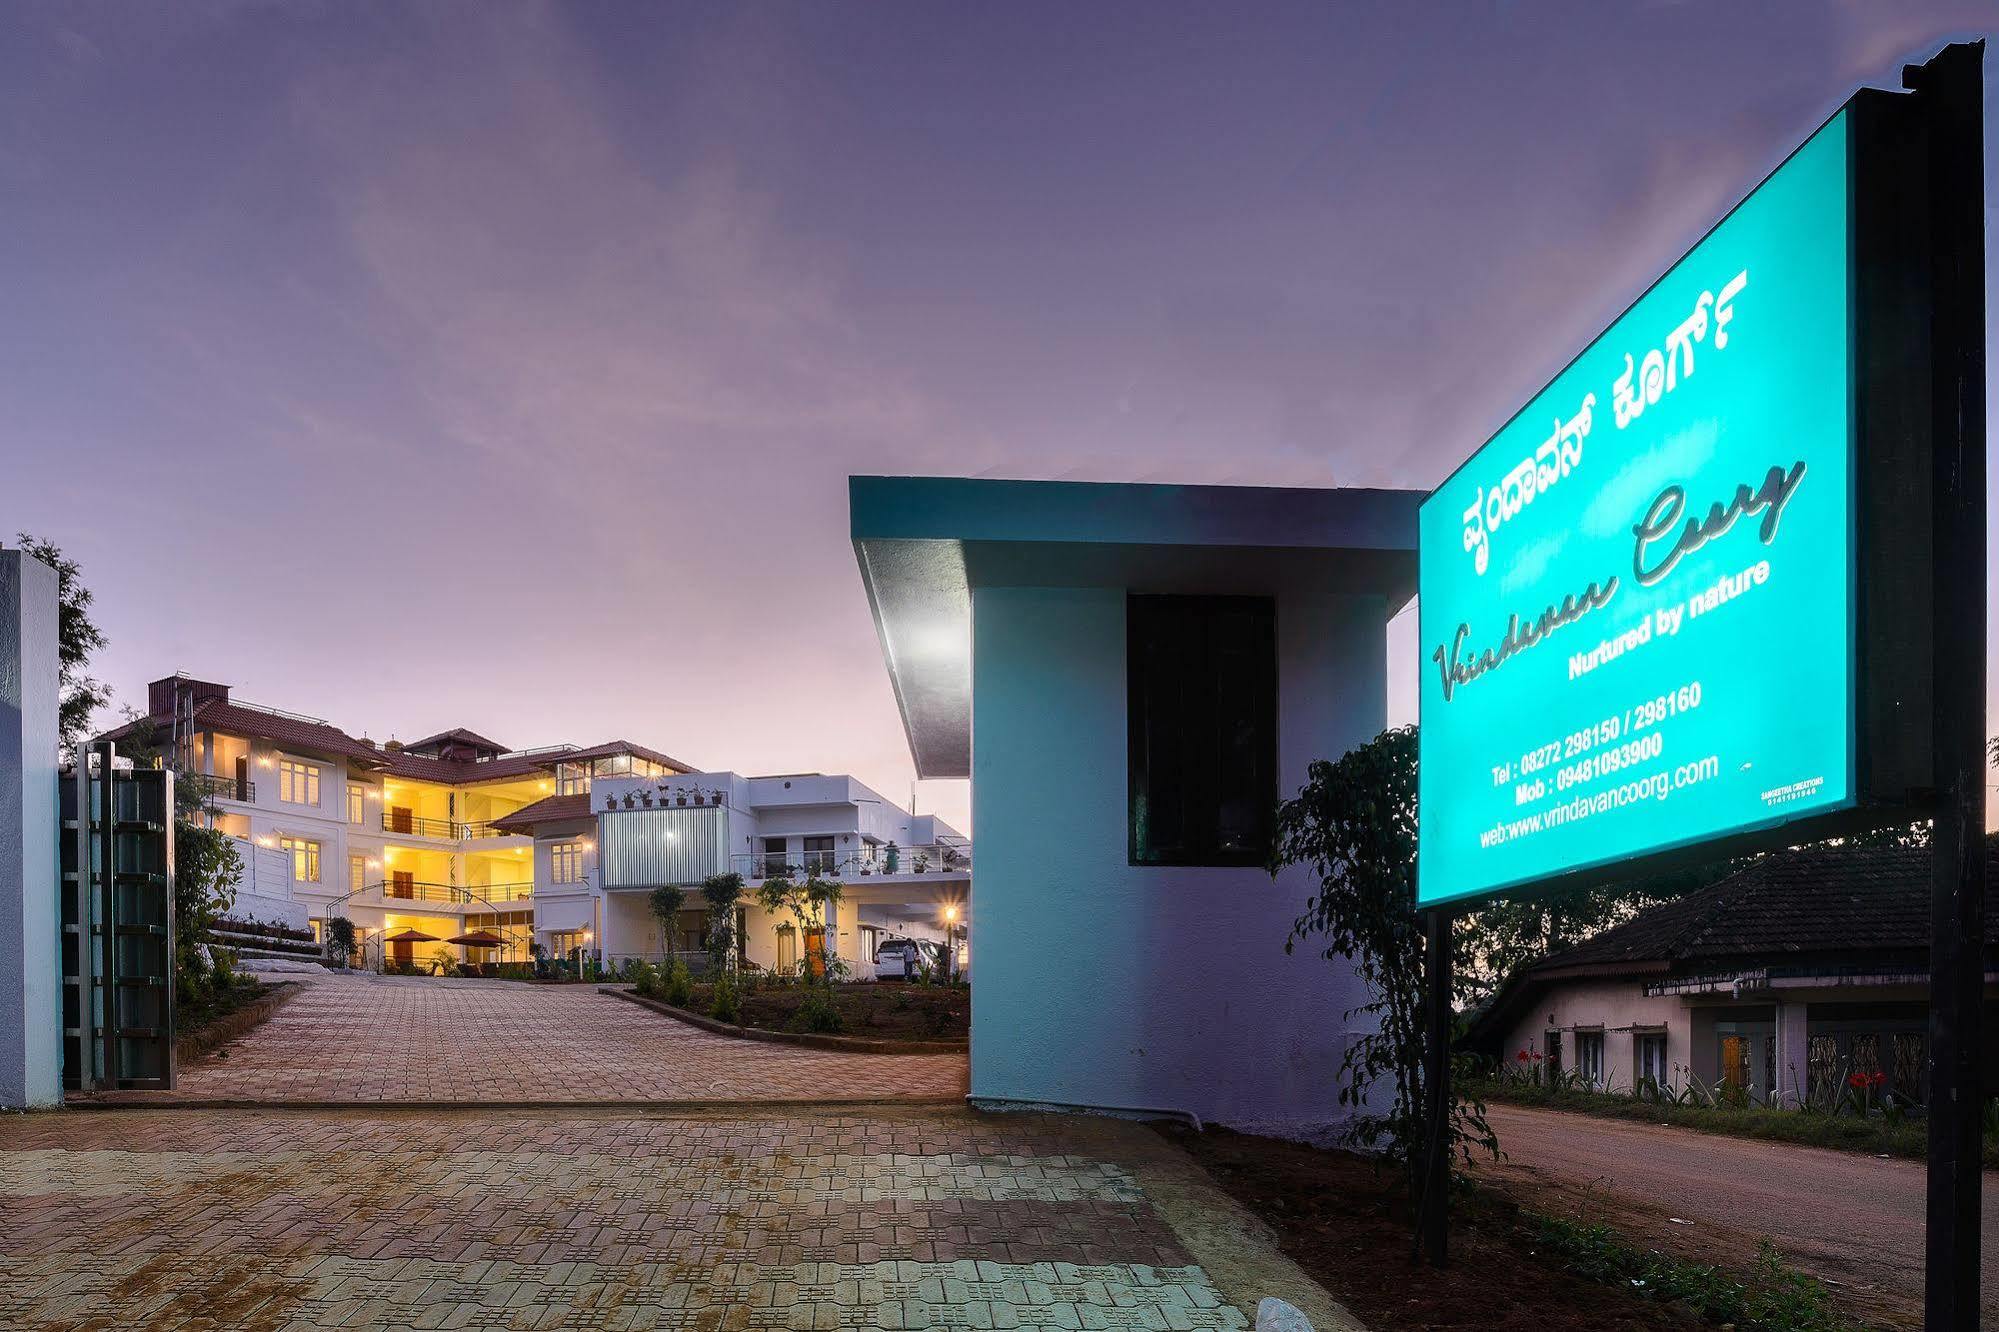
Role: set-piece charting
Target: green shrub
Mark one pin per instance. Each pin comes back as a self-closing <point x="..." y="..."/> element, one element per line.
<point x="222" y="969"/>
<point x="724" y="1006"/>
<point x="644" y="978"/>
<point x="818" y="1013"/>
<point x="340" y="940"/>
<point x="935" y="1019"/>
<point x="1774" y="1298"/>
<point x="676" y="986"/>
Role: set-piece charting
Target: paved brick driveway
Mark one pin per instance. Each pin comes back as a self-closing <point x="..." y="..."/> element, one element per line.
<point x="365" y="1038"/>
<point x="281" y="1220"/>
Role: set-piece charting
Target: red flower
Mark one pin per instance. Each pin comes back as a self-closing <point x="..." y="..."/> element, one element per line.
<point x="1538" y="1056"/>
<point x="1523" y="1056"/>
<point x="1858" y="1081"/>
<point x="1879" y="1079"/>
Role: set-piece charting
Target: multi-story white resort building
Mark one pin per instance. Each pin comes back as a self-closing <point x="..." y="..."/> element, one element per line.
<point x="423" y="843"/>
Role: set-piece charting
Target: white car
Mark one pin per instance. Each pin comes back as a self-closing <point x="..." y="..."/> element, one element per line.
<point x="900" y="959"/>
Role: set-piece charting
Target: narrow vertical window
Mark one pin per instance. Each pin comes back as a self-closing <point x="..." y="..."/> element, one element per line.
<point x="1201" y="682"/>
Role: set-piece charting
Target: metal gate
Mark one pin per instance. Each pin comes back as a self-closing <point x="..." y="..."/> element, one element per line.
<point x="117" y="924"/>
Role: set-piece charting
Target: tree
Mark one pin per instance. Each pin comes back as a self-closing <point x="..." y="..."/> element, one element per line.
<point x="1508" y="933"/>
<point x="722" y="892"/>
<point x="806" y="904"/>
<point x="666" y="901"/>
<point x="1354" y="824"/>
<point x="78" y="637"/>
<point x="340" y="939"/>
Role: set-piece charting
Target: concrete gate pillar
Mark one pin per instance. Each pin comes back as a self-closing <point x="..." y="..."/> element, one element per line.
<point x="30" y="939"/>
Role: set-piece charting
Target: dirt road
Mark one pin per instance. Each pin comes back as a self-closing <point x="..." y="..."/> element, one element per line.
<point x="1849" y="1219"/>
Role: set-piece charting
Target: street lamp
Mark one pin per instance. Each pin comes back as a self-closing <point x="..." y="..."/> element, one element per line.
<point x="951" y="940"/>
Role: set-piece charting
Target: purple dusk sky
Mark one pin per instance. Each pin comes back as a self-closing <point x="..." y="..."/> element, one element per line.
<point x="483" y="364"/>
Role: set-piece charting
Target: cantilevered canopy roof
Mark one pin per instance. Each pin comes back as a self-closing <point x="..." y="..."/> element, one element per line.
<point x="925" y="542"/>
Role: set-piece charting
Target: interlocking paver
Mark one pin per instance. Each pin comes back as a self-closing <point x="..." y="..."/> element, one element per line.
<point x="274" y="1220"/>
<point x="363" y="1038"/>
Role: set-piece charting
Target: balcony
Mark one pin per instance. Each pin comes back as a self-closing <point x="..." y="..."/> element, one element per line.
<point x="404" y="823"/>
<point x="448" y="894"/>
<point x="212" y="786"/>
<point x="908" y="860"/>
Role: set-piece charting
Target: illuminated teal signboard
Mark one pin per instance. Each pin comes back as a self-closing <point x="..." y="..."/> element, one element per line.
<point x="1637" y="600"/>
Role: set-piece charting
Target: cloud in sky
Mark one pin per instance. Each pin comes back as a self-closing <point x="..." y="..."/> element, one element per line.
<point x="502" y="365"/>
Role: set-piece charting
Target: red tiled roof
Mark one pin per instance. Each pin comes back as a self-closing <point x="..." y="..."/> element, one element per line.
<point x="294" y="732"/>
<point x="279" y="729"/>
<point x="464" y="772"/>
<point x="611" y="747"/>
<point x="548" y="809"/>
<point x="458" y="735"/>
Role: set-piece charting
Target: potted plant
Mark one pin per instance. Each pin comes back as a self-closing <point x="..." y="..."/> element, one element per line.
<point x="680" y="798"/>
<point x="629" y="802"/>
<point x="645" y="798"/>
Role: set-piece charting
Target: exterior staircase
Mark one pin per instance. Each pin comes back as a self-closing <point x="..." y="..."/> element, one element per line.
<point x="258" y="939"/>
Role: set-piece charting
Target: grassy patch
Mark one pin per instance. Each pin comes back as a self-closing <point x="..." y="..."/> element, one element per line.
<point x="1773" y="1298"/>
<point x="1847" y="1133"/>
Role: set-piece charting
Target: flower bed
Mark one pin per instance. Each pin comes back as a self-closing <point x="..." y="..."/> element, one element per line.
<point x="218" y="1017"/>
<point x="886" y="1012"/>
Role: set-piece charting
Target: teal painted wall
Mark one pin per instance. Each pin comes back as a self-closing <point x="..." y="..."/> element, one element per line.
<point x="1104" y="984"/>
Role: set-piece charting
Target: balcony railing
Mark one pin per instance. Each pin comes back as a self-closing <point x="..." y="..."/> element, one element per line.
<point x="905" y="860"/>
<point x="217" y="787"/>
<point x="408" y="824"/>
<point x="450" y="894"/>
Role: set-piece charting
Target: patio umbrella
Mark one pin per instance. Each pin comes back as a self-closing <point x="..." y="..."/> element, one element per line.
<point x="478" y="939"/>
<point x="409" y="934"/>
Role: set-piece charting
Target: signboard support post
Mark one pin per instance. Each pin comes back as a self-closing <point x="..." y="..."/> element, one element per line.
<point x="1434" y="1219"/>
<point x="1950" y="88"/>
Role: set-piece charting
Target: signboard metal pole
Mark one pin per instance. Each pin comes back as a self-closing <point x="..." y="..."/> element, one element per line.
<point x="1950" y="88"/>
<point x="1434" y="1222"/>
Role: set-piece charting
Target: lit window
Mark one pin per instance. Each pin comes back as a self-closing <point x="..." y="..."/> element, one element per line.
<point x="357" y="873"/>
<point x="305" y="858"/>
<point x="568" y="862"/>
<point x="356" y="802"/>
<point x="572" y="779"/>
<point x="298" y="783"/>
